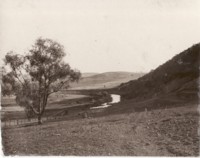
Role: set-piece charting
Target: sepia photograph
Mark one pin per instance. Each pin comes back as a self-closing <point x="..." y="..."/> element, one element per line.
<point x="100" y="78"/>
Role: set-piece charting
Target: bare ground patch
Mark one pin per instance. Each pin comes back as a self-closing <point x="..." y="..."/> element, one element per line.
<point x="171" y="132"/>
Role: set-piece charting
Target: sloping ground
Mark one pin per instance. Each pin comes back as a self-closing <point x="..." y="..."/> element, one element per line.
<point x="178" y="75"/>
<point x="105" y="80"/>
<point x="161" y="102"/>
<point x="88" y="74"/>
<point x="170" y="132"/>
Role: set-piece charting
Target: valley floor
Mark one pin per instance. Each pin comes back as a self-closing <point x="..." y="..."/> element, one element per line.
<point x="169" y="132"/>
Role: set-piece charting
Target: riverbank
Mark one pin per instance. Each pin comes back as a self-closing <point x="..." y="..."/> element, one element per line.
<point x="115" y="98"/>
<point x="70" y="103"/>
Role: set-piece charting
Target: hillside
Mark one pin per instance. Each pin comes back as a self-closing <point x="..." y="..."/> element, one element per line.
<point x="178" y="76"/>
<point x="171" y="132"/>
<point x="88" y="74"/>
<point x="105" y="80"/>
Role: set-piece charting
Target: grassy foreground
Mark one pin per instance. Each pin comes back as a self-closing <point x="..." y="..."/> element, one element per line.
<point x="169" y="132"/>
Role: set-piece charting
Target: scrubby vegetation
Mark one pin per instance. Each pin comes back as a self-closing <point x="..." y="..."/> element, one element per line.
<point x="178" y="75"/>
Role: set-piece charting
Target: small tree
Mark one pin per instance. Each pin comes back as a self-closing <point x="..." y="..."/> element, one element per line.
<point x="39" y="73"/>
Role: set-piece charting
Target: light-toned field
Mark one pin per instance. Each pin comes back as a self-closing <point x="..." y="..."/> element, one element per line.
<point x="170" y="132"/>
<point x="58" y="101"/>
<point x="9" y="103"/>
<point x="96" y="85"/>
<point x="105" y="80"/>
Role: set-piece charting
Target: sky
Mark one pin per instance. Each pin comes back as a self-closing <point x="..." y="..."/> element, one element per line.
<point x="103" y="35"/>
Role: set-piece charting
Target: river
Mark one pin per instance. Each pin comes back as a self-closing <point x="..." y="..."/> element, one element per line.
<point x="115" y="99"/>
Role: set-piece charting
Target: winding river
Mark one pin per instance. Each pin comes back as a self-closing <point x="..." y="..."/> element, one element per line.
<point x="115" y="99"/>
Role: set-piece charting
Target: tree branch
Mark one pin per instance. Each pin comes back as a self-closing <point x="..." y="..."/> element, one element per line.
<point x="18" y="78"/>
<point x="58" y="89"/>
<point x="22" y="75"/>
<point x="35" y="111"/>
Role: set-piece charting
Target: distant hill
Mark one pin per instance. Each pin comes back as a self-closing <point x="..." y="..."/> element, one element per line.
<point x="178" y="76"/>
<point x="88" y="74"/>
<point x="104" y="80"/>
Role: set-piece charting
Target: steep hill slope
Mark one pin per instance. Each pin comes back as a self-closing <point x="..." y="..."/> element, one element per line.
<point x="177" y="76"/>
<point x="105" y="80"/>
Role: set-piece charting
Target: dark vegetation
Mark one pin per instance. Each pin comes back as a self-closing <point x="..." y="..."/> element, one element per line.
<point x="173" y="84"/>
<point x="178" y="76"/>
<point x="33" y="77"/>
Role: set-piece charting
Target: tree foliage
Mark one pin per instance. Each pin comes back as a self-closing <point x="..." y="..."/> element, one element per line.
<point x="39" y="73"/>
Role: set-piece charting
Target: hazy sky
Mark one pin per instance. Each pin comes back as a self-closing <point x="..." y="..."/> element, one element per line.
<point x="103" y="35"/>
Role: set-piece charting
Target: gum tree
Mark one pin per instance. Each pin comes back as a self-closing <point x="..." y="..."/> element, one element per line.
<point x="38" y="74"/>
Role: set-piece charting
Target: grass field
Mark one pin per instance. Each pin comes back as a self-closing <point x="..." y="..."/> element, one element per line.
<point x="105" y="80"/>
<point x="170" y="132"/>
<point x="61" y="100"/>
<point x="59" y="103"/>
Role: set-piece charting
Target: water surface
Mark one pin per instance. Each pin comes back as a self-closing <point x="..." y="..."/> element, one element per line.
<point x="115" y="99"/>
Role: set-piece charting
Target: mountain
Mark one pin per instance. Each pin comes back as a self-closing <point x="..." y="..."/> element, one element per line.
<point x="178" y="76"/>
<point x="105" y="80"/>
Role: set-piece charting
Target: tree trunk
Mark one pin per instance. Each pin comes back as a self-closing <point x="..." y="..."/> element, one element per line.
<point x="39" y="120"/>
